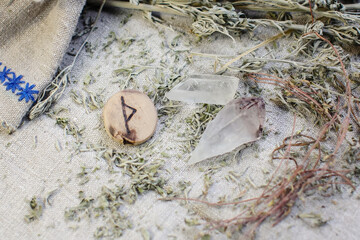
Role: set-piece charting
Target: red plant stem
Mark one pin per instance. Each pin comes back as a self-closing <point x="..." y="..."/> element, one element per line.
<point x="209" y="203"/>
<point x="343" y="177"/>
<point x="301" y="179"/>
<point x="312" y="16"/>
<point x="322" y="133"/>
<point x="346" y="122"/>
<point x="282" y="160"/>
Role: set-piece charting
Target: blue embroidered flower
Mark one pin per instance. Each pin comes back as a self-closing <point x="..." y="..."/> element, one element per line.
<point x="27" y="93"/>
<point x="4" y="74"/>
<point x="14" y="84"/>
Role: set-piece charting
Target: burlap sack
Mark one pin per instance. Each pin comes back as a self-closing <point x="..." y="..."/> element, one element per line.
<point x="33" y="38"/>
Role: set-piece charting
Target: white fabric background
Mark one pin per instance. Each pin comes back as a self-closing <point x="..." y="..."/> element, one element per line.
<point x="28" y="168"/>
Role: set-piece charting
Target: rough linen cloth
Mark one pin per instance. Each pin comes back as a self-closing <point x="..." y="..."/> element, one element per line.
<point x="34" y="35"/>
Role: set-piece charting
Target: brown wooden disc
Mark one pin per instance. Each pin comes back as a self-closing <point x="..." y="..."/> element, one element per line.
<point x="130" y="117"/>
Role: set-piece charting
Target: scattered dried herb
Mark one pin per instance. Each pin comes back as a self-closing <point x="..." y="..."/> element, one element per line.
<point x="145" y="175"/>
<point x="36" y="209"/>
<point x="70" y="127"/>
<point x="198" y="121"/>
<point x="312" y="219"/>
<point x="88" y="99"/>
<point x="192" y="221"/>
<point x="311" y="86"/>
<point x="107" y="206"/>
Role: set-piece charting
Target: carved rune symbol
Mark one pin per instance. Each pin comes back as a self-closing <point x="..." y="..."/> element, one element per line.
<point x="126" y="118"/>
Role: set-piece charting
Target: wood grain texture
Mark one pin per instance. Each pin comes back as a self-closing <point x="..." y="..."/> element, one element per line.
<point x="130" y="117"/>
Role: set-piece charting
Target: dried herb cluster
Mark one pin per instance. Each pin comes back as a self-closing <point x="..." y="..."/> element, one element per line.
<point x="197" y="122"/>
<point x="107" y="205"/>
<point x="310" y="81"/>
<point x="145" y="175"/>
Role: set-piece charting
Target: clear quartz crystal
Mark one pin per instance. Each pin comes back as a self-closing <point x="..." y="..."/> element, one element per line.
<point x="238" y="123"/>
<point x="211" y="89"/>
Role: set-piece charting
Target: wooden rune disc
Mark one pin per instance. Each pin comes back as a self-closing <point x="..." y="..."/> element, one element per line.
<point x="130" y="117"/>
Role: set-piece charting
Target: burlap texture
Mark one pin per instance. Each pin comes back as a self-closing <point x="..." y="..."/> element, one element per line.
<point x="33" y="38"/>
<point x="41" y="157"/>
